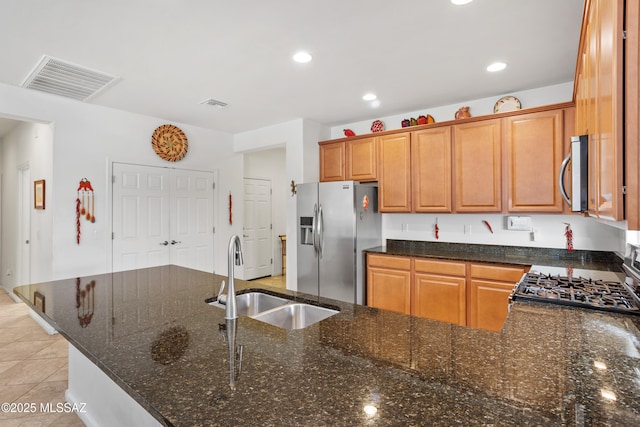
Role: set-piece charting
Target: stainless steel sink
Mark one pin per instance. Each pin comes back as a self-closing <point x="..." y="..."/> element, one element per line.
<point x="295" y="315"/>
<point x="277" y="311"/>
<point x="252" y="303"/>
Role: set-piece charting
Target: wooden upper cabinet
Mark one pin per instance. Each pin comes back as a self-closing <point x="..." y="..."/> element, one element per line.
<point x="599" y="104"/>
<point x="394" y="154"/>
<point x="478" y="166"/>
<point x="609" y="112"/>
<point x="431" y="169"/>
<point x="362" y="160"/>
<point x="332" y="161"/>
<point x="534" y="152"/>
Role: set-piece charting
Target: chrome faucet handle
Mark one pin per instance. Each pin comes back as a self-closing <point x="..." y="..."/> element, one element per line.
<point x="239" y="257"/>
<point x="220" y="292"/>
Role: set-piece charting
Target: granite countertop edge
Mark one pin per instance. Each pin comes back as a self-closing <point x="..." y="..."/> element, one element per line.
<point x="516" y="255"/>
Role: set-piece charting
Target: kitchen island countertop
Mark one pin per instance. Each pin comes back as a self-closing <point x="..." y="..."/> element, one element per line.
<point x="152" y="333"/>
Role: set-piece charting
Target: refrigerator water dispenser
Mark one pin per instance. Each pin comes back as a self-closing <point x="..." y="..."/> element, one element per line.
<point x="306" y="230"/>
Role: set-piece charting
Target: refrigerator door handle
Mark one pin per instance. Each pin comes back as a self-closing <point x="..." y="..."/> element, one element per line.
<point x="314" y="233"/>
<point x="320" y="232"/>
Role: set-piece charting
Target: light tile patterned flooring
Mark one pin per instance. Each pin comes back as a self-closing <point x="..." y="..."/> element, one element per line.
<point x="33" y="368"/>
<point x="277" y="281"/>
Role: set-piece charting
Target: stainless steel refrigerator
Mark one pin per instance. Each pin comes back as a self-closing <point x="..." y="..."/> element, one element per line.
<point x="336" y="221"/>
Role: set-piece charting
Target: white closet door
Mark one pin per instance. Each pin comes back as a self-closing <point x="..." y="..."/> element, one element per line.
<point x="192" y="219"/>
<point x="162" y="216"/>
<point x="141" y="197"/>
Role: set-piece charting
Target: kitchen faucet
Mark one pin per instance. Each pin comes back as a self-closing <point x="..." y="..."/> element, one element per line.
<point x="234" y="257"/>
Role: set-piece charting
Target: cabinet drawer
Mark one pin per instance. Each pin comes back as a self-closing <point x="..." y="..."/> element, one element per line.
<point x="386" y="261"/>
<point x="494" y="272"/>
<point x="440" y="267"/>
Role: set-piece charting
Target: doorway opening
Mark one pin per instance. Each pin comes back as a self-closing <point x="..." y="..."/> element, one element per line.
<point x="262" y="167"/>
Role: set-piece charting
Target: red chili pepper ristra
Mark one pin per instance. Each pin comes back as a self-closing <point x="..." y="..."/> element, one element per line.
<point x="436" y="229"/>
<point x="568" y="233"/>
<point x="488" y="225"/>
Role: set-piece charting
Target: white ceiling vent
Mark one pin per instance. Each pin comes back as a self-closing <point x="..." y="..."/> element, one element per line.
<point x="214" y="102"/>
<point x="63" y="78"/>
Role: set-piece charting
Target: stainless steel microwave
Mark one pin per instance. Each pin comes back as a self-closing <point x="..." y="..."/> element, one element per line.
<point x="579" y="174"/>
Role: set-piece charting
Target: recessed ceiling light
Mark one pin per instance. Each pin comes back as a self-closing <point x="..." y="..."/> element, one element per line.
<point x="302" y="57"/>
<point x="369" y="97"/>
<point x="496" y="66"/>
<point x="460" y="2"/>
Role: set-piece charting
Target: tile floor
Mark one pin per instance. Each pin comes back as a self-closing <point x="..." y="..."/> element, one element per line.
<point x="277" y="281"/>
<point x="33" y="365"/>
<point x="33" y="368"/>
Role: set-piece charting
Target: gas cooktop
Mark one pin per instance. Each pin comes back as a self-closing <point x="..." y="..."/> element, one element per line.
<point x="577" y="291"/>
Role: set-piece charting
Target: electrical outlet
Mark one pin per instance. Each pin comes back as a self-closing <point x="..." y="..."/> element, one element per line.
<point x="467" y="229"/>
<point x="519" y="223"/>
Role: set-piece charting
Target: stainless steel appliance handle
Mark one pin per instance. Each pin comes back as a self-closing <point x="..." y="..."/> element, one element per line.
<point x="320" y="232"/>
<point x="314" y="232"/>
<point x="563" y="170"/>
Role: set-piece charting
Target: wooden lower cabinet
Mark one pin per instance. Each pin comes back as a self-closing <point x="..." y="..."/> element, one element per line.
<point x="467" y="294"/>
<point x="440" y="291"/>
<point x="489" y="290"/>
<point x="389" y="283"/>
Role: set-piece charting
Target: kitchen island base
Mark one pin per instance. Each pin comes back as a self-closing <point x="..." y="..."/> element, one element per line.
<point x="101" y="401"/>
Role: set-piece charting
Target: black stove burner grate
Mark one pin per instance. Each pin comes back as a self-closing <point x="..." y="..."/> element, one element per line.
<point x="577" y="291"/>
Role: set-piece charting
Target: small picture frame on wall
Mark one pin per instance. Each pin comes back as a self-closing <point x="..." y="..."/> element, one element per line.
<point x="38" y="194"/>
<point x="38" y="301"/>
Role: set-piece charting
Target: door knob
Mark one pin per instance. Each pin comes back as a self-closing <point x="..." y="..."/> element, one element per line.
<point x="173" y="242"/>
<point x="165" y="243"/>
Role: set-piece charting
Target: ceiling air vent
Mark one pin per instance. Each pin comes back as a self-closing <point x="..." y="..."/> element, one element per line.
<point x="214" y="102"/>
<point x="63" y="78"/>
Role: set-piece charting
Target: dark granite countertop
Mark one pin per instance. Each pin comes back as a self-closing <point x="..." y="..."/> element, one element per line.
<point x="517" y="255"/>
<point x="152" y="333"/>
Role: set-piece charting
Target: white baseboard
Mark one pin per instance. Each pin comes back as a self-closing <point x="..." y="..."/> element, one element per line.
<point x="42" y="323"/>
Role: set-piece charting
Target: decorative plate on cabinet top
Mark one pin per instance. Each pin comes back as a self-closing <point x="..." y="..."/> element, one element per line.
<point x="507" y="103"/>
<point x="377" y="126"/>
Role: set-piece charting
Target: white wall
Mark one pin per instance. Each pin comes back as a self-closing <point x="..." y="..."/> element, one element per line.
<point x="300" y="138"/>
<point x="588" y="233"/>
<point x="271" y="164"/>
<point x="86" y="139"/>
<point x="478" y="107"/>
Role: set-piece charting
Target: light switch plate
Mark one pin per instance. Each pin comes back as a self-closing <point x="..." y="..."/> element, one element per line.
<point x="519" y="223"/>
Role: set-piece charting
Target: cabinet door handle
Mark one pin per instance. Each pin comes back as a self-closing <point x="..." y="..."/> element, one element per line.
<point x="173" y="242"/>
<point x="165" y="243"/>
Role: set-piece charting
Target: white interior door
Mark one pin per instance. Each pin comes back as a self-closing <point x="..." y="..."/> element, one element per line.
<point x="141" y="197"/>
<point x="24" y="217"/>
<point x="192" y="219"/>
<point x="257" y="238"/>
<point x="162" y="216"/>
